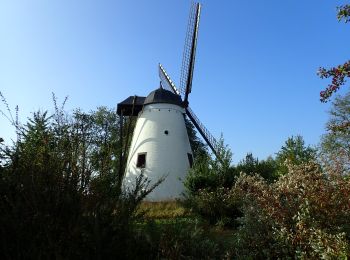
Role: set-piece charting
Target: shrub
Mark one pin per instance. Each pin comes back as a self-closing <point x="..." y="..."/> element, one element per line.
<point x="218" y="206"/>
<point x="60" y="190"/>
<point x="208" y="183"/>
<point x="178" y="239"/>
<point x="306" y="213"/>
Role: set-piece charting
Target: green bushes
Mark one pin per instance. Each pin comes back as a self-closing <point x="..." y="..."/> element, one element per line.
<point x="284" y="208"/>
<point x="208" y="183"/>
<point x="179" y="239"/>
<point x="218" y="207"/>
<point x="210" y="180"/>
<point x="61" y="193"/>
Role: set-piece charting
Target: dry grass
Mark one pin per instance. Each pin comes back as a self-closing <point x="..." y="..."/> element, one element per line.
<point x="163" y="210"/>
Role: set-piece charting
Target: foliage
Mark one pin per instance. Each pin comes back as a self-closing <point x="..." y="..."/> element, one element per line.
<point x="338" y="75"/>
<point x="294" y="152"/>
<point x="60" y="192"/>
<point x="265" y="168"/>
<point x="201" y="175"/>
<point x="207" y="184"/>
<point x="340" y="72"/>
<point x="335" y="144"/>
<point x="163" y="209"/>
<point x="218" y="207"/>
<point x="61" y="195"/>
<point x="344" y="13"/>
<point x="180" y="239"/>
<point x="208" y="172"/>
<point x="304" y="214"/>
<point x="199" y="148"/>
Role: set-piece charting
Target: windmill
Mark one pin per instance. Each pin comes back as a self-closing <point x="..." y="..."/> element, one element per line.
<point x="160" y="146"/>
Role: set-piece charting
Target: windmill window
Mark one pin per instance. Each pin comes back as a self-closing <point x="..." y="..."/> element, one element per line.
<point x="166" y="132"/>
<point x="141" y="160"/>
<point x="190" y="159"/>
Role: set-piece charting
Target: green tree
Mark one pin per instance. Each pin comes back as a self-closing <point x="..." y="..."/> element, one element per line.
<point x="199" y="148"/>
<point x="265" y="168"/>
<point x="335" y="144"/>
<point x="294" y="152"/>
<point x="208" y="172"/>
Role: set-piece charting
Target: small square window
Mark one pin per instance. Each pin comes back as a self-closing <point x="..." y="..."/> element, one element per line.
<point x="141" y="160"/>
<point x="190" y="159"/>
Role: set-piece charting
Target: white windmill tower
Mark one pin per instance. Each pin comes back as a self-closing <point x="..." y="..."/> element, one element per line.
<point x="160" y="146"/>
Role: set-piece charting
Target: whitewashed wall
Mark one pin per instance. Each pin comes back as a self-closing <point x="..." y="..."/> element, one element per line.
<point x="166" y="153"/>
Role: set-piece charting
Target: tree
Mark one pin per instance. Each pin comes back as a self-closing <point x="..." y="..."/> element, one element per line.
<point x="294" y="152"/>
<point x="335" y="144"/>
<point x="340" y="72"/>
<point x="199" y="148"/>
<point x="265" y="168"/>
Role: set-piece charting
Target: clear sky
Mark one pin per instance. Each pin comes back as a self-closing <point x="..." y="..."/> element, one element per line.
<point x="255" y="75"/>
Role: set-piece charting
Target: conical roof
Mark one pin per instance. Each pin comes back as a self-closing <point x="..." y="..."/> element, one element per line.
<point x="161" y="95"/>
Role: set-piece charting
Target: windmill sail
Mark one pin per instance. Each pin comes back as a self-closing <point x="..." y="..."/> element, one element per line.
<point x="189" y="53"/>
<point x="166" y="81"/>
<point x="187" y="76"/>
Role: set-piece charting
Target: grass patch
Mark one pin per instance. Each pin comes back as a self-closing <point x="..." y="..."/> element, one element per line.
<point x="171" y="231"/>
<point x="164" y="210"/>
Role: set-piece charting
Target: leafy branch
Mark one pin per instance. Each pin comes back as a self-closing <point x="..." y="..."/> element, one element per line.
<point x="340" y="72"/>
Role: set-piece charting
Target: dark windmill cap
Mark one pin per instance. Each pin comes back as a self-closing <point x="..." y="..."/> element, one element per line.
<point x="161" y="95"/>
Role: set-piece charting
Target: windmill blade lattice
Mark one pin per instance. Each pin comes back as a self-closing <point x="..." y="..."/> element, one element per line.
<point x="207" y="136"/>
<point x="166" y="81"/>
<point x="187" y="76"/>
<point x="189" y="53"/>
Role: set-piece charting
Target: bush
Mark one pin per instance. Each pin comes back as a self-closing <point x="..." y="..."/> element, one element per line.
<point x="178" y="239"/>
<point x="60" y="190"/>
<point x="218" y="206"/>
<point x="306" y="214"/>
<point x="208" y="183"/>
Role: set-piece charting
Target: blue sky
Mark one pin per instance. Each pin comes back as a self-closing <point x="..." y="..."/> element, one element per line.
<point x="255" y="75"/>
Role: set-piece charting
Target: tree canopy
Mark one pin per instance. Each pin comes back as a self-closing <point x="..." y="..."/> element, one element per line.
<point x="335" y="144"/>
